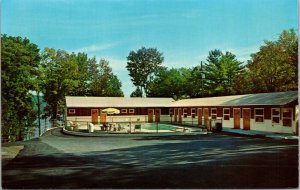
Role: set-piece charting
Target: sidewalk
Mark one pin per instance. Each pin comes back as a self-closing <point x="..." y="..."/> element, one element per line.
<point x="256" y="133"/>
<point x="10" y="152"/>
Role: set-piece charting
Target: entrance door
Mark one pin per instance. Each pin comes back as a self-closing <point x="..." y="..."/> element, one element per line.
<point x="236" y="118"/>
<point x="199" y="116"/>
<point x="179" y="115"/>
<point x="206" y="120"/>
<point x="94" y="113"/>
<point x="103" y="118"/>
<point x="246" y="118"/>
<point x="175" y="115"/>
<point x="150" y="115"/>
<point x="157" y="115"/>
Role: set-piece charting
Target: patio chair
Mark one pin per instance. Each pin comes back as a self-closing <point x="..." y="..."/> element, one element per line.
<point x="120" y="128"/>
<point x="73" y="125"/>
<point x="138" y="127"/>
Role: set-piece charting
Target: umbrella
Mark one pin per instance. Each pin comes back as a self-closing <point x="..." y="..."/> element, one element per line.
<point x="110" y="111"/>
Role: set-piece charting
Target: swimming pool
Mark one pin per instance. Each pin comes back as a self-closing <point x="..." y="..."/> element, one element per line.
<point x="159" y="126"/>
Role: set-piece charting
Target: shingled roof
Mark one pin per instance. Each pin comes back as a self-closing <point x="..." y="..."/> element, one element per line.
<point x="117" y="102"/>
<point x="275" y="98"/>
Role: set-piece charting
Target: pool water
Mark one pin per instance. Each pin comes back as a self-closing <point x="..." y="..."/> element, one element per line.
<point x="153" y="126"/>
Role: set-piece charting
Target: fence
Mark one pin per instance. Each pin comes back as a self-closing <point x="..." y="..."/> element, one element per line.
<point x="45" y="124"/>
<point x="130" y="126"/>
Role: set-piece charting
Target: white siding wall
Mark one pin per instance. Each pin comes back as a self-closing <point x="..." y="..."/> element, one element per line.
<point x="228" y="123"/>
<point x="264" y="126"/>
<point x="268" y="126"/>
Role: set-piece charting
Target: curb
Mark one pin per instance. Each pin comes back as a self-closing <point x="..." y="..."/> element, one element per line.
<point x="269" y="136"/>
<point x="82" y="134"/>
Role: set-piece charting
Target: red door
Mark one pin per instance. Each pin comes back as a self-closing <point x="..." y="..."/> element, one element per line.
<point x="179" y="115"/>
<point x="246" y="118"/>
<point x="206" y="119"/>
<point x="175" y="115"/>
<point x="150" y="115"/>
<point x="236" y="118"/>
<point x="157" y="115"/>
<point x="94" y="113"/>
<point x="199" y="116"/>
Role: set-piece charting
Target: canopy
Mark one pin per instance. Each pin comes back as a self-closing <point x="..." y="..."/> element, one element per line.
<point x="110" y="111"/>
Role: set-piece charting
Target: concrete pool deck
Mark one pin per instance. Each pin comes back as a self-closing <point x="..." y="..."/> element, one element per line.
<point x="143" y="132"/>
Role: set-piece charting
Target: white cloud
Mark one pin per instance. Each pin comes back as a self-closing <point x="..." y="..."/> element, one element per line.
<point x="242" y="54"/>
<point x="95" y="47"/>
<point x="116" y="64"/>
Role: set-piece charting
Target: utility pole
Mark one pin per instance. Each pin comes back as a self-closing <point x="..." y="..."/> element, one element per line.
<point x="39" y="111"/>
<point x="202" y="78"/>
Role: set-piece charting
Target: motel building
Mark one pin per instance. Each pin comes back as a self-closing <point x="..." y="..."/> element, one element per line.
<point x="272" y="112"/>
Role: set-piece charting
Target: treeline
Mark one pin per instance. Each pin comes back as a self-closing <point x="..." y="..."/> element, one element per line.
<point x="273" y="68"/>
<point x="25" y="70"/>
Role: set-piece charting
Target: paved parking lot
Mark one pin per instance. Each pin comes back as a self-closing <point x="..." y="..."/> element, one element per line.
<point x="213" y="161"/>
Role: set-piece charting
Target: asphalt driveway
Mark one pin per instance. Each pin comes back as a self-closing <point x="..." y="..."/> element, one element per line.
<point x="56" y="160"/>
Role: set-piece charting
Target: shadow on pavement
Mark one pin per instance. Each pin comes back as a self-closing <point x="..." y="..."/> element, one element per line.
<point x="192" y="164"/>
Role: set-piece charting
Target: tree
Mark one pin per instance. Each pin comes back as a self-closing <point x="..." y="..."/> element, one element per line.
<point x="170" y="83"/>
<point x="83" y="63"/>
<point x="142" y="65"/>
<point x="136" y="93"/>
<point x="198" y="83"/>
<point x="221" y="72"/>
<point x="60" y="78"/>
<point x="275" y="67"/>
<point x="19" y="63"/>
<point x="102" y="81"/>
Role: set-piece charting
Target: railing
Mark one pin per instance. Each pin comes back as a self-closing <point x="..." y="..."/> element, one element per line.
<point x="209" y="124"/>
<point x="131" y="126"/>
<point x="45" y="125"/>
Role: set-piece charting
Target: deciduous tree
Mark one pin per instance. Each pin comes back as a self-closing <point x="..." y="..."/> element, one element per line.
<point x="60" y="78"/>
<point x="171" y="83"/>
<point x="275" y="66"/>
<point x="102" y="81"/>
<point x="19" y="63"/>
<point x="142" y="65"/>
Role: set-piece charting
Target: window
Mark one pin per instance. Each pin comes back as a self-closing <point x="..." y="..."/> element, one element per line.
<point x="193" y="112"/>
<point x="71" y="111"/>
<point x="123" y="110"/>
<point x="171" y="112"/>
<point x="184" y="112"/>
<point x="259" y="115"/>
<point x="275" y="115"/>
<point x="214" y="113"/>
<point x="131" y="110"/>
<point x="287" y="117"/>
<point x="226" y="113"/>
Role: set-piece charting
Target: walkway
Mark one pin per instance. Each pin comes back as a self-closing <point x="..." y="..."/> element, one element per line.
<point x="256" y="133"/>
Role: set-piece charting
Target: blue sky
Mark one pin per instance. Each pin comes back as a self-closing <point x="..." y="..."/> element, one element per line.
<point x="184" y="30"/>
